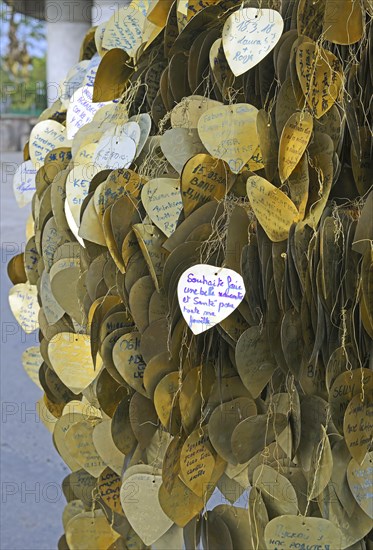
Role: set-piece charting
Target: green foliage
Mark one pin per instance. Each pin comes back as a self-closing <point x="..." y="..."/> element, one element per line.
<point x="23" y="63"/>
<point x="24" y="97"/>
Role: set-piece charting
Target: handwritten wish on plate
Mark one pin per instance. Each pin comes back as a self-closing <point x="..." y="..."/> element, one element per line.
<point x="128" y="360"/>
<point x="77" y="186"/>
<point x="275" y="211"/>
<point x="249" y="35"/>
<point x="203" y="178"/>
<point x="85" y="154"/>
<point x="32" y="361"/>
<point x="360" y="481"/>
<point x="229" y="133"/>
<point x="197" y="462"/>
<point x="162" y="202"/>
<point x="79" y="443"/>
<point x="358" y="425"/>
<point x="108" y="486"/>
<point x="23" y="301"/>
<point x="73" y="81"/>
<point x="320" y="76"/>
<point x="114" y="152"/>
<point x="344" y="388"/>
<point x="90" y="76"/>
<point x="81" y="110"/>
<point x="293" y="142"/>
<point x="124" y="30"/>
<point x="24" y="183"/>
<point x="290" y="531"/>
<point x="46" y="136"/>
<point x="208" y="294"/>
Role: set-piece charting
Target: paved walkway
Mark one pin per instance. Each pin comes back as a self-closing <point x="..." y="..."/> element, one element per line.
<point x="31" y="470"/>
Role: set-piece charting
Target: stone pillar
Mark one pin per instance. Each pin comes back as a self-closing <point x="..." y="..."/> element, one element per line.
<point x="67" y="22"/>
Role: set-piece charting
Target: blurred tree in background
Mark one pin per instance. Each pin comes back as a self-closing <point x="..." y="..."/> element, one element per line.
<point x="23" y="63"/>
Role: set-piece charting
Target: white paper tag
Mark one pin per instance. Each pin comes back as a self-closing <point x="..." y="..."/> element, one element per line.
<point x="249" y="34"/>
<point x="81" y="110"/>
<point x="208" y="294"/>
